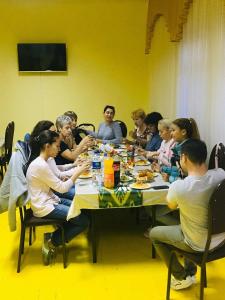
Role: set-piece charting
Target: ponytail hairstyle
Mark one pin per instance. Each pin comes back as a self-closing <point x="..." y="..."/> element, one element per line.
<point x="189" y="125"/>
<point x="39" y="142"/>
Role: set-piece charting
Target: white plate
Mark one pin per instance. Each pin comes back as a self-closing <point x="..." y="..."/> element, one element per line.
<point x="83" y="176"/>
<point x="147" y="163"/>
<point x="122" y="146"/>
<point x="128" y="178"/>
<point x="143" y="186"/>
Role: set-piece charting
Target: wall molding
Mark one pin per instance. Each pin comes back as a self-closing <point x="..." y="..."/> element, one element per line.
<point x="175" y="13"/>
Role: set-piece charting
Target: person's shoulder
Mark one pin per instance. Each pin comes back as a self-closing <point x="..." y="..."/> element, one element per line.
<point x="116" y="124"/>
<point x="177" y="185"/>
<point x="217" y="173"/>
<point x="38" y="164"/>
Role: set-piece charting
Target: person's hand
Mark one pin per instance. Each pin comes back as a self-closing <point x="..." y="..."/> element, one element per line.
<point x="155" y="167"/>
<point x="141" y="151"/>
<point x="165" y="176"/>
<point x="78" y="161"/>
<point x="84" y="167"/>
<point x="133" y="134"/>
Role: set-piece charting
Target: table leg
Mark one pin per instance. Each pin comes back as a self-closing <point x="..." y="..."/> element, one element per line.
<point x="137" y="211"/>
<point x="93" y="236"/>
<point x="153" y="225"/>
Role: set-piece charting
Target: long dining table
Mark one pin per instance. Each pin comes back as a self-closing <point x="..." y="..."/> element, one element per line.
<point x="94" y="198"/>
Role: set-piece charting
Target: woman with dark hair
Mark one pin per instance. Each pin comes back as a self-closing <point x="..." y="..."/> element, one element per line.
<point x="151" y="122"/>
<point x="61" y="171"/>
<point x="44" y="203"/>
<point x="109" y="131"/>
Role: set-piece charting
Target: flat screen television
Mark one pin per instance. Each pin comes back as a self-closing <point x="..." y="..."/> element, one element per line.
<point x="37" y="57"/>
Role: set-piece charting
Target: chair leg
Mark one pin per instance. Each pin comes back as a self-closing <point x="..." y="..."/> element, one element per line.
<point x="153" y="225"/>
<point x="93" y="237"/>
<point x="169" y="276"/>
<point x="137" y="211"/>
<point x="21" y="247"/>
<point x="63" y="247"/>
<point x="205" y="277"/>
<point x="30" y="236"/>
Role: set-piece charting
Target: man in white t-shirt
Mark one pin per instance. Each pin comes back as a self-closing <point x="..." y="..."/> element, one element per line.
<point x="191" y="196"/>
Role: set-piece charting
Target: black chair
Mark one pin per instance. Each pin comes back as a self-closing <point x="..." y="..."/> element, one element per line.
<point x="216" y="225"/>
<point x="7" y="152"/>
<point x="87" y="126"/>
<point x="28" y="220"/>
<point x="123" y="127"/>
<point x="217" y="157"/>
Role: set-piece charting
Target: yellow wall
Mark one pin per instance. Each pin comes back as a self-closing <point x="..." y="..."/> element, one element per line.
<point x="106" y="60"/>
<point x="162" y="70"/>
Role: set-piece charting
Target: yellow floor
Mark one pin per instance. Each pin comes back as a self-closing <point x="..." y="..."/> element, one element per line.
<point x="124" y="270"/>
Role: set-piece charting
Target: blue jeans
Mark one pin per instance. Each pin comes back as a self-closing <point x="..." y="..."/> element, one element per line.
<point x="72" y="227"/>
<point x="68" y="195"/>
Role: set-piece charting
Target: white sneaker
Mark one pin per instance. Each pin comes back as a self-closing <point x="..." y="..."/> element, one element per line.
<point x="176" y="284"/>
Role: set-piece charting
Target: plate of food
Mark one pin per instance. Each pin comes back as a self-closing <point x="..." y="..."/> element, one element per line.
<point x="125" y="178"/>
<point x="145" y="175"/>
<point x="122" y="146"/>
<point x="85" y="175"/>
<point x="139" y="185"/>
<point x="123" y="153"/>
<point x="142" y="162"/>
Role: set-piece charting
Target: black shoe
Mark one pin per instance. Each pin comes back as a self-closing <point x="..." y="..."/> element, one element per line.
<point x="48" y="249"/>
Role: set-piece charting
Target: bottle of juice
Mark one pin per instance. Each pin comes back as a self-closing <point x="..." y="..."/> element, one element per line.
<point x="108" y="173"/>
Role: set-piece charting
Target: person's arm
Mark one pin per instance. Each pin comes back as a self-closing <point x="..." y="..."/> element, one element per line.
<point x="117" y="133"/>
<point x="60" y="173"/>
<point x="48" y="177"/>
<point x="92" y="133"/>
<point x="172" y="199"/>
<point x="72" y="155"/>
<point x="65" y="167"/>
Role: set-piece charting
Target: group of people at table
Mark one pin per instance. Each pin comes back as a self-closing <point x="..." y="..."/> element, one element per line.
<point x="55" y="164"/>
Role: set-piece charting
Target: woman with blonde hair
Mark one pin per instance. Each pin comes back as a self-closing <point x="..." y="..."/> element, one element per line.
<point x="164" y="153"/>
<point x="141" y="133"/>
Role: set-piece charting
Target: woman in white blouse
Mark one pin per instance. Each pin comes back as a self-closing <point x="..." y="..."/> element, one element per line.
<point x="44" y="203"/>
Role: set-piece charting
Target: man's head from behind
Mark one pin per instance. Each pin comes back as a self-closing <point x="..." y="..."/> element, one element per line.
<point x="193" y="153"/>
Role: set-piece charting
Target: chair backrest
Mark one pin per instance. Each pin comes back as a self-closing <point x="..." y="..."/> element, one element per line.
<point x="79" y="134"/>
<point x="87" y="126"/>
<point x="217" y="210"/>
<point x="217" y="157"/>
<point x="9" y="133"/>
<point x="123" y="127"/>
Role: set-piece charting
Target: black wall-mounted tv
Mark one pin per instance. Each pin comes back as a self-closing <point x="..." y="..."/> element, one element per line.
<point x="38" y="57"/>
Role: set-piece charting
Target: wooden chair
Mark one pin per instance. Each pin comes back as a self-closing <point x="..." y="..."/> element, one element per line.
<point x="216" y="225"/>
<point x="29" y="221"/>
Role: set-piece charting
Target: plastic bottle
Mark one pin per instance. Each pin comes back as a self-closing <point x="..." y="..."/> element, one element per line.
<point x="116" y="168"/>
<point x="96" y="169"/>
<point x="108" y="173"/>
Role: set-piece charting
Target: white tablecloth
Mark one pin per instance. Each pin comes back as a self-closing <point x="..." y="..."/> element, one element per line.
<point x="86" y="196"/>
